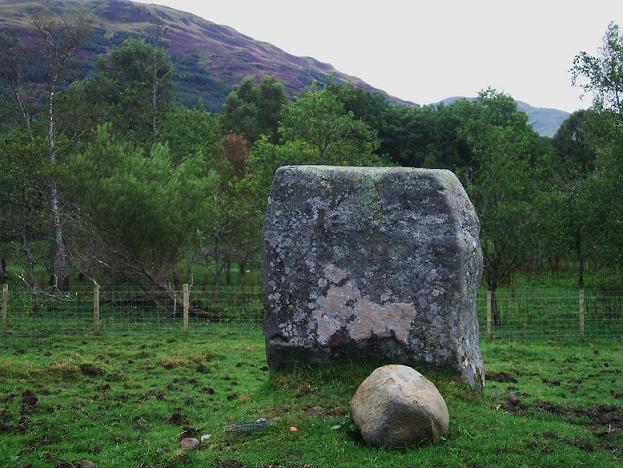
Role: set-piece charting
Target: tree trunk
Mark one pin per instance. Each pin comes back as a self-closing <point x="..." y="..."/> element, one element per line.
<point x="154" y="103"/>
<point x="30" y="263"/>
<point x="60" y="274"/>
<point x="228" y="272"/>
<point x="2" y="265"/>
<point x="497" y="319"/>
<point x="580" y="254"/>
<point x="241" y="269"/>
<point x="217" y="267"/>
<point x="59" y="260"/>
<point x="30" y="272"/>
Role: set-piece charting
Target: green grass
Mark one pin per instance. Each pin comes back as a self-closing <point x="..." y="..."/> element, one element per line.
<point x="127" y="400"/>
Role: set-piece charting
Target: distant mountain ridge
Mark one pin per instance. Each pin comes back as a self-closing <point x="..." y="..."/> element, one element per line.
<point x="209" y="58"/>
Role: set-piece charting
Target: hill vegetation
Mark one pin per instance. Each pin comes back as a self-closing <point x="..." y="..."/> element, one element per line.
<point x="209" y="58"/>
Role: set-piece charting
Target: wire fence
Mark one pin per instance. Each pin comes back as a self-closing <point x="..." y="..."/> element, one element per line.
<point x="107" y="310"/>
<point x="132" y="311"/>
<point x="553" y="318"/>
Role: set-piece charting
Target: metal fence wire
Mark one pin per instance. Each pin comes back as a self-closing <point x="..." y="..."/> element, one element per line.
<point x="126" y="311"/>
<point x="114" y="310"/>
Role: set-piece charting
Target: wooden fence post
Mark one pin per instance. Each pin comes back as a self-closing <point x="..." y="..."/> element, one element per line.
<point x="96" y="309"/>
<point x="5" y="308"/>
<point x="186" y="307"/>
<point x="489" y="313"/>
<point x="582" y="309"/>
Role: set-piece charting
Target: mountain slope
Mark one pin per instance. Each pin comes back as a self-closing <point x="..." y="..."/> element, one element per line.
<point x="545" y="121"/>
<point x="209" y="58"/>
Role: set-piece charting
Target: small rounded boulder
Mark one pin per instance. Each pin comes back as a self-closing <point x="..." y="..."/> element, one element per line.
<point x="396" y="406"/>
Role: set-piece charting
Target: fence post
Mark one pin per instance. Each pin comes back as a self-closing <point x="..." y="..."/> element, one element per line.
<point x="582" y="309"/>
<point x="489" y="313"/>
<point x="96" y="309"/>
<point x="5" y="308"/>
<point x="186" y="307"/>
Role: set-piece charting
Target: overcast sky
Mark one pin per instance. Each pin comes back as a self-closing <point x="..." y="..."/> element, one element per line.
<point x="427" y="50"/>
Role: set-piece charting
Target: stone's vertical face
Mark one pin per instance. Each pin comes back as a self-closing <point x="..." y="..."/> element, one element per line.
<point x="379" y="262"/>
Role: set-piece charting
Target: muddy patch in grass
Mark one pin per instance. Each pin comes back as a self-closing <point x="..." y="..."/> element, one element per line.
<point x="585" y="445"/>
<point x="601" y="415"/>
<point x="177" y="419"/>
<point x="306" y="390"/>
<point x="29" y="398"/>
<point x="229" y="464"/>
<point x="500" y="377"/>
<point x="91" y="370"/>
<point x="551" y="383"/>
<point x="330" y="411"/>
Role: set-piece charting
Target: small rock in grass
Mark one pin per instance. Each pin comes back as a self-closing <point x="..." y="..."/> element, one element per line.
<point x="396" y="406"/>
<point x="293" y="429"/>
<point x="86" y="464"/>
<point x="205" y="437"/>
<point x="190" y="444"/>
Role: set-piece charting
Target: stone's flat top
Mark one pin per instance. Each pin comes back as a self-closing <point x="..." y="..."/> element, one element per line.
<point x="363" y="169"/>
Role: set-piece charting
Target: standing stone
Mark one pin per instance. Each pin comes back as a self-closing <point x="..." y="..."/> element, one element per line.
<point x="396" y="406"/>
<point x="372" y="262"/>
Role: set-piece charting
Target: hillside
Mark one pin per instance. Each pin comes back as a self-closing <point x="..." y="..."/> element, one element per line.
<point x="209" y="58"/>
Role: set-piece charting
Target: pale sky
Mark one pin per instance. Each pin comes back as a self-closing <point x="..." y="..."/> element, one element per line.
<point x="427" y="50"/>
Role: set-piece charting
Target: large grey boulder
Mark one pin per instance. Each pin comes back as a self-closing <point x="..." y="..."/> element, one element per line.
<point x="372" y="262"/>
<point x="396" y="406"/>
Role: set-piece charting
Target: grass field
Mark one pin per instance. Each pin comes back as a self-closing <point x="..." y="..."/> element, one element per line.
<point x="127" y="401"/>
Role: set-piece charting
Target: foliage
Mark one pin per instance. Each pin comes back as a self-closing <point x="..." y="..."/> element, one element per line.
<point x="135" y="84"/>
<point x="503" y="184"/>
<point x="189" y="133"/>
<point x="338" y="138"/>
<point x="138" y="210"/>
<point x="571" y="220"/>
<point x="253" y="109"/>
<point x="23" y="199"/>
<point x="233" y="234"/>
<point x="603" y="75"/>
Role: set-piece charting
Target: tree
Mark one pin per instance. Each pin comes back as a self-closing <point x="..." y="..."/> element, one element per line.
<point x="503" y="185"/>
<point x="253" y="109"/>
<point x="139" y="212"/>
<point x="573" y="226"/>
<point x="53" y="42"/>
<point x="189" y="132"/>
<point x="603" y="75"/>
<point x="318" y="118"/>
<point x="135" y="84"/>
<point x="23" y="198"/>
